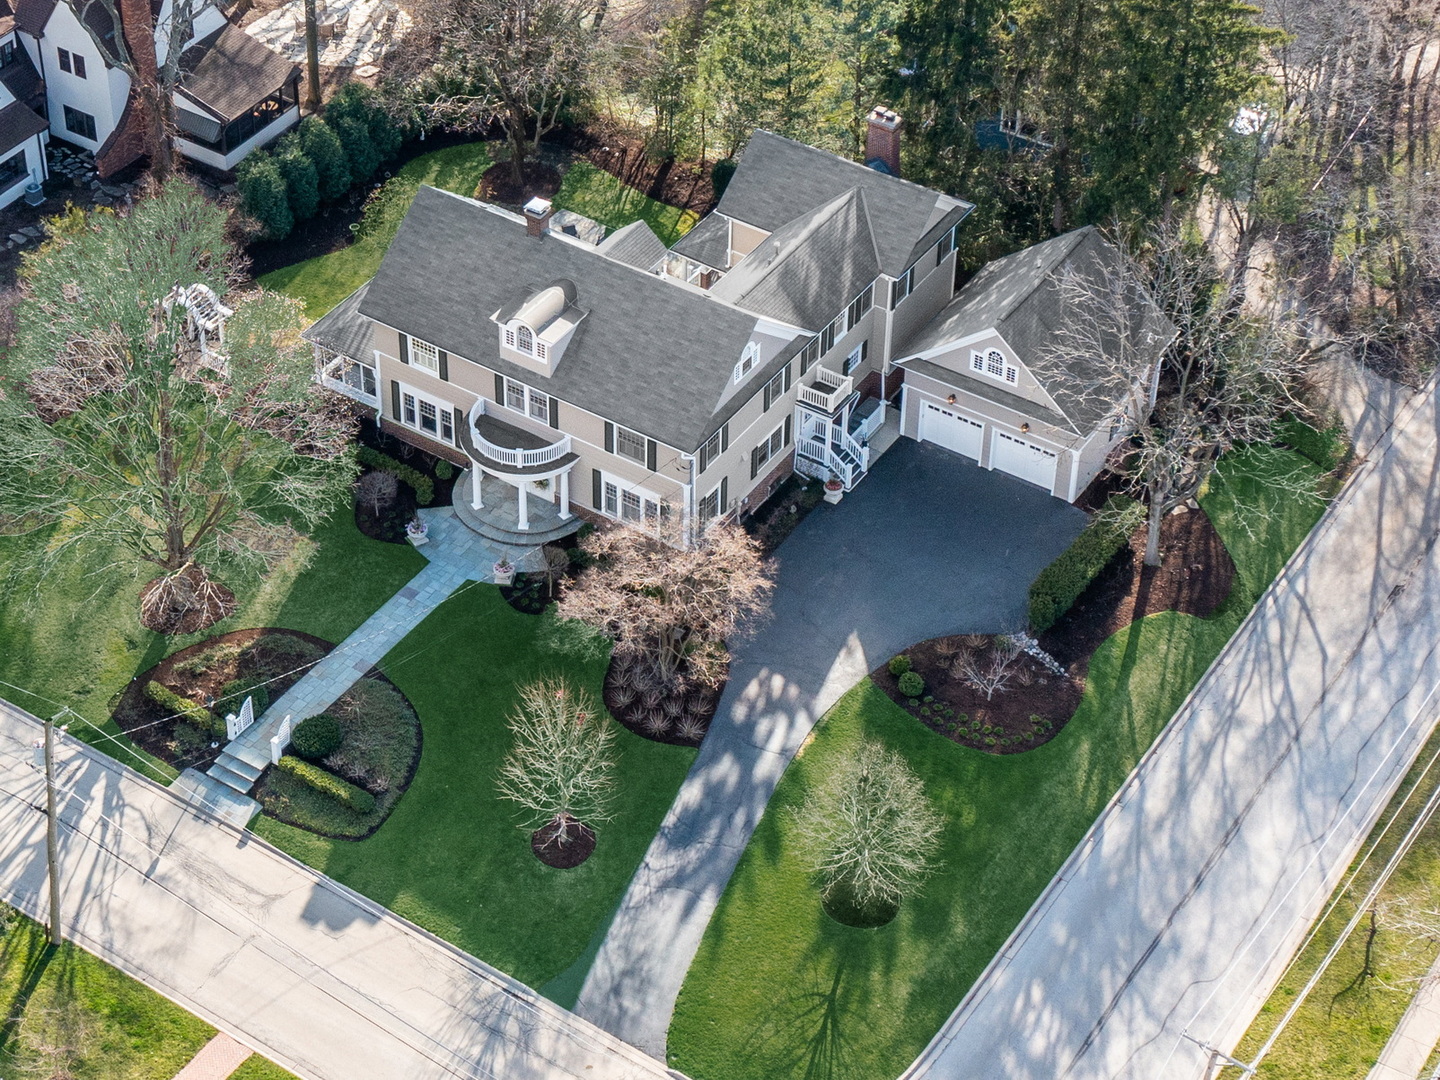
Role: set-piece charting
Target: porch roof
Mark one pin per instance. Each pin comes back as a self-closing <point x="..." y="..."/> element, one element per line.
<point x="344" y="330"/>
<point x="18" y="122"/>
<point x="228" y="72"/>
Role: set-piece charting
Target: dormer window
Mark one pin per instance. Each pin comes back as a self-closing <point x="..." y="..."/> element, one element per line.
<point x="993" y="364"/>
<point x="747" y="361"/>
<point x="543" y="324"/>
<point x="525" y="340"/>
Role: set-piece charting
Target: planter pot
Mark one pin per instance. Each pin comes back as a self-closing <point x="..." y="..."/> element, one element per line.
<point x="504" y="577"/>
<point x="419" y="539"/>
<point x="834" y="495"/>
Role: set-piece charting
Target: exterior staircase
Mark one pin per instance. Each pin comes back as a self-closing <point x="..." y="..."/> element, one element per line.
<point x="239" y="766"/>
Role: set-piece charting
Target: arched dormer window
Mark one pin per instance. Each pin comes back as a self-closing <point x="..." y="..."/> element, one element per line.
<point x="524" y="339"/>
<point x="747" y="361"/>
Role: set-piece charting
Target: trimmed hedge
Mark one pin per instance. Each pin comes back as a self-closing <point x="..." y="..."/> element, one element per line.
<point x="343" y="792"/>
<point x="316" y="737"/>
<point x="422" y="485"/>
<point x="176" y="705"/>
<point x="899" y="665"/>
<point x="1061" y="583"/>
<point x="1326" y="449"/>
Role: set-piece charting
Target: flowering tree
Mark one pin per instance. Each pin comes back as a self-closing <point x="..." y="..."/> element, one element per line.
<point x="561" y="767"/>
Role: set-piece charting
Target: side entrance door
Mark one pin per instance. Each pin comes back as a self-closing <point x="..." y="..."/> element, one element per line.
<point x="950" y="429"/>
<point x="1023" y="459"/>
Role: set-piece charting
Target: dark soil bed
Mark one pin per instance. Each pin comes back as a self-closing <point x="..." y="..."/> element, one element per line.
<point x="200" y="673"/>
<point x="622" y="154"/>
<point x="498" y="183"/>
<point x="677" y="718"/>
<point x="571" y="855"/>
<point x="191" y="602"/>
<point x="389" y="524"/>
<point x="1028" y="713"/>
<point x="777" y="517"/>
<point x="1195" y="579"/>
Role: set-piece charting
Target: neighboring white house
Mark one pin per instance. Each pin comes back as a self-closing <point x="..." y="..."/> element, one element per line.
<point x="235" y="93"/>
<point x="23" y="131"/>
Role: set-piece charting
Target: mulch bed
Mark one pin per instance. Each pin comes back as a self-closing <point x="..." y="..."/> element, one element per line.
<point x="1194" y="578"/>
<point x="622" y="154"/>
<point x="675" y="719"/>
<point x="779" y="515"/>
<point x="571" y="855"/>
<point x="144" y="721"/>
<point x="1018" y="718"/>
<point x="498" y="183"/>
<point x="389" y="525"/>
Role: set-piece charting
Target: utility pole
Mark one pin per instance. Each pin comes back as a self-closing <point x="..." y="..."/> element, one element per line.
<point x="52" y="837"/>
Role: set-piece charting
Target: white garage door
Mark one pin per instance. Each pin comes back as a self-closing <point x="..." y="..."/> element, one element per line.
<point x="1023" y="459"/>
<point x="949" y="429"/>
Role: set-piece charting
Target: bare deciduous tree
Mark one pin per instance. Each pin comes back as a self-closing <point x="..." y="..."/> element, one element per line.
<point x="989" y="671"/>
<point x="672" y="606"/>
<point x="377" y="489"/>
<point x="55" y="1041"/>
<point x="470" y="63"/>
<point x="561" y="766"/>
<point x="870" y="833"/>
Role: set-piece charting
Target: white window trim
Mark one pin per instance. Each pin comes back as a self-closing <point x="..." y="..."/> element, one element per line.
<point x="908" y="278"/>
<point x="980" y="365"/>
<point x="623" y="487"/>
<point x="641" y="460"/>
<point x="530" y="396"/>
<point x="853" y="359"/>
<point x="431" y="352"/>
<point x="771" y="455"/>
<point x="748" y="359"/>
<point x="439" y="404"/>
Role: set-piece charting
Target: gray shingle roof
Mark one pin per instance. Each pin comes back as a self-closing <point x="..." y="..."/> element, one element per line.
<point x="635" y="245"/>
<point x="779" y="180"/>
<point x="228" y="71"/>
<point x="1019" y="297"/>
<point x="32" y="15"/>
<point x="17" y="123"/>
<point x="708" y="242"/>
<point x="652" y="355"/>
<point x="809" y="269"/>
<point x="343" y="329"/>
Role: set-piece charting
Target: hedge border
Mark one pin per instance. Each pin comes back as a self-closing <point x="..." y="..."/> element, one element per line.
<point x="421" y="484"/>
<point x="344" y="792"/>
<point x="184" y="708"/>
<point x="1057" y="587"/>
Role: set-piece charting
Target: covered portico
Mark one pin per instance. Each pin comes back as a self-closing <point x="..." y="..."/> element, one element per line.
<point x="518" y="486"/>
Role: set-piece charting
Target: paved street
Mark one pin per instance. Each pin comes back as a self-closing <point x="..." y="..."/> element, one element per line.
<point x="1181" y="907"/>
<point x="857" y="583"/>
<point x="326" y="983"/>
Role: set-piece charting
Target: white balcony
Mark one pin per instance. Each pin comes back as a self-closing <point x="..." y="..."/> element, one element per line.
<point x="827" y="391"/>
<point x="526" y="452"/>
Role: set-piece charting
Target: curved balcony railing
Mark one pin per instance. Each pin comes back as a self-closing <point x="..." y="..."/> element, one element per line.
<point x="515" y="457"/>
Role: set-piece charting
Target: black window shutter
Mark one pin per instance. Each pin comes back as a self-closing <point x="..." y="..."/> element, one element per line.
<point x="787" y="378"/>
<point x="787" y="431"/>
<point x="725" y="437"/>
<point x="444" y="365"/>
<point x="554" y="412"/>
<point x="395" y="398"/>
<point x="650" y="449"/>
<point x="754" y="463"/>
<point x="499" y="389"/>
<point x="724" y="494"/>
<point x="609" y="437"/>
<point x="405" y="348"/>
<point x="894" y="294"/>
<point x="597" y="494"/>
<point x="768" y="397"/>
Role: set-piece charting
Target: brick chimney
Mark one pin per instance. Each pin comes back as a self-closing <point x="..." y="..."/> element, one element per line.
<point x="127" y="142"/>
<point x="538" y="213"/>
<point x="882" y="140"/>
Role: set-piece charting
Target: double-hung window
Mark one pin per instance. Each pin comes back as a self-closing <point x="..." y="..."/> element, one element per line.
<point x="631" y="504"/>
<point x="63" y="55"/>
<point x="858" y="307"/>
<point x="994" y="364"/>
<point x="809" y="354"/>
<point x="827" y="337"/>
<point x="428" y="417"/>
<point x="904" y="285"/>
<point x="709" y="507"/>
<point x="514" y="395"/>
<point x="539" y="406"/>
<point x="424" y="356"/>
<point x="714" y="447"/>
<point x="630" y="444"/>
<point x="858" y="356"/>
<point x="527" y="400"/>
<point x="944" y="246"/>
<point x="769" y="448"/>
<point x="777" y="386"/>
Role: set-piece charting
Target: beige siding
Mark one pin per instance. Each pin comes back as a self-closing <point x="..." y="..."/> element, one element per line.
<point x="934" y="287"/>
<point x="744" y="239"/>
<point x="1027" y="386"/>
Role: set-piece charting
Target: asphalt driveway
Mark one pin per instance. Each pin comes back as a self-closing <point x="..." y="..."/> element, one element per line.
<point x="928" y="544"/>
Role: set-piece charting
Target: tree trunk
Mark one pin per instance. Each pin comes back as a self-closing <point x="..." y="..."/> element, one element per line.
<point x="1152" y="532"/>
<point x="312" y="59"/>
<point x="159" y="128"/>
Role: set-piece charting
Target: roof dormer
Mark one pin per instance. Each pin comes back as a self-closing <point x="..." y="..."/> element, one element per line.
<point x="535" y="332"/>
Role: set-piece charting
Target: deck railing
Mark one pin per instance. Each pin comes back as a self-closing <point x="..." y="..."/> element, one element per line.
<point x="513" y="456"/>
<point x="828" y="391"/>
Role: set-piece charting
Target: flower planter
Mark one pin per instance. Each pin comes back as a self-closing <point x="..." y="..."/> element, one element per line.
<point x="834" y="491"/>
<point x="504" y="574"/>
<point x="418" y="536"/>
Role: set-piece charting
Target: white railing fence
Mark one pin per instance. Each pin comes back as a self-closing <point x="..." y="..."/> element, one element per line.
<point x="514" y="457"/>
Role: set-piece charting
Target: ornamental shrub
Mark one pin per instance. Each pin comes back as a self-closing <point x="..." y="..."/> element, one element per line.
<point x="317" y="737"/>
<point x="343" y="792"/>
<point x="911" y="684"/>
<point x="234" y="693"/>
<point x="302" y="182"/>
<point x="322" y="147"/>
<point x="444" y="470"/>
<point x="360" y="153"/>
<point x="899" y="665"/>
<point x="1060" y="584"/>
<point x="423" y="486"/>
<point x="264" y="196"/>
<point x="358" y="102"/>
<point x="175" y="705"/>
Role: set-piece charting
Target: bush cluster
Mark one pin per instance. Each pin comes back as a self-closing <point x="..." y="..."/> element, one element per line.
<point x="911" y="684"/>
<point x="1326" y="449"/>
<point x="899" y="665"/>
<point x="343" y="792"/>
<point x="317" y="737"/>
<point x="1061" y="583"/>
<point x="422" y="485"/>
<point x="175" y="705"/>
<point x="318" y="162"/>
<point x="234" y="693"/>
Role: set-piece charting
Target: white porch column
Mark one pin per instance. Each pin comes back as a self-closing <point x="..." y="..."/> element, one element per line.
<point x="524" y="507"/>
<point x="475" y="477"/>
<point x="565" y="496"/>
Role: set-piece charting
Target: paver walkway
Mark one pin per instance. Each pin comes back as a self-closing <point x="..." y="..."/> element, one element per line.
<point x="1410" y="1044"/>
<point x="216" y="1060"/>
<point x="857" y="583"/>
<point x="320" y="980"/>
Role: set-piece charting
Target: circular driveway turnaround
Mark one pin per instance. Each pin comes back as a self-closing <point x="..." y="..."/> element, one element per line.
<point x="928" y="544"/>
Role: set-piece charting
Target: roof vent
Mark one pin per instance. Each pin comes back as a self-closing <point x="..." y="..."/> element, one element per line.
<point x="882" y="140"/>
<point x="538" y="212"/>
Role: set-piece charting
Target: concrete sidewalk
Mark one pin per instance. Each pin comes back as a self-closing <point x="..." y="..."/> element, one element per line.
<point x="1410" y="1044"/>
<point x="320" y="980"/>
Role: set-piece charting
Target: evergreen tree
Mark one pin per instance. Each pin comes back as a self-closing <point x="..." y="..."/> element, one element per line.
<point x="322" y="147"/>
<point x="302" y="183"/>
<point x="264" y="196"/>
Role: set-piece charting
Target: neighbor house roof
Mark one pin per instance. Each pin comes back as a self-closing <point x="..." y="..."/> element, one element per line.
<point x="32" y="15"/>
<point x="343" y="329"/>
<point x="779" y="179"/>
<point x="1020" y="298"/>
<point x="810" y="268"/>
<point x="652" y="355"/>
<point x="17" y="123"/>
<point x="635" y="245"/>
<point x="708" y="242"/>
<point x="228" y="71"/>
<point x="20" y="76"/>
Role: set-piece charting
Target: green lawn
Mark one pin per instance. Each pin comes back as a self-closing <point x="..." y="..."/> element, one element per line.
<point x="322" y="282"/>
<point x="451" y="857"/>
<point x="779" y="990"/>
<point x="74" y="637"/>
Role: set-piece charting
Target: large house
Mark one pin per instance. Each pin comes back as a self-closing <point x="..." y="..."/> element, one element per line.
<point x="234" y="94"/>
<point x="816" y="307"/>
